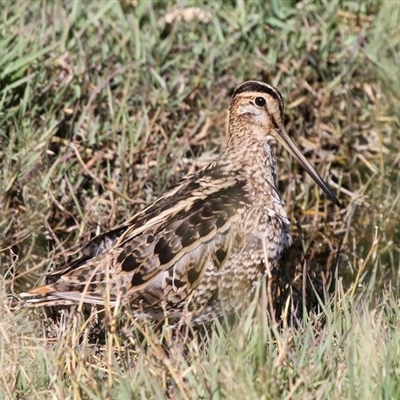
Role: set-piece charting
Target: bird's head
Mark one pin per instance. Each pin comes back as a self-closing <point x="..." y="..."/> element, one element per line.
<point x="258" y="107"/>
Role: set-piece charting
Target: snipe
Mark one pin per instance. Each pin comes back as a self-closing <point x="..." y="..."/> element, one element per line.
<point x="200" y="248"/>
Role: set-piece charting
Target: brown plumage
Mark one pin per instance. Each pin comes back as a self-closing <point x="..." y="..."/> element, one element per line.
<point x="202" y="246"/>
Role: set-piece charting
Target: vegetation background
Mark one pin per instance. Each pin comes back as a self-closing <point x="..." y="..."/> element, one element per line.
<point x="103" y="105"/>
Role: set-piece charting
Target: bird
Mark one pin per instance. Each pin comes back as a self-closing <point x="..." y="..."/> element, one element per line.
<point x="201" y="248"/>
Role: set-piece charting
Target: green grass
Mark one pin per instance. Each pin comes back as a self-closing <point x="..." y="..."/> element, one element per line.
<point x="104" y="105"/>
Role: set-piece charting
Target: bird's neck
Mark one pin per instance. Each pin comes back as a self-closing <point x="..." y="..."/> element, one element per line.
<point x="252" y="158"/>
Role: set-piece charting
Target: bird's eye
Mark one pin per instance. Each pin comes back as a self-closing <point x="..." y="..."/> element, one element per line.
<point x="260" y="101"/>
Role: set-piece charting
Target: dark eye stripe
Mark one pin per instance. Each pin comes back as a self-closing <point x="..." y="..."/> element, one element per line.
<point x="255" y="86"/>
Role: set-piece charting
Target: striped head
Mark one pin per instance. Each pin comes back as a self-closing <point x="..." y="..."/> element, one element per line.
<point x="261" y="96"/>
<point x="258" y="108"/>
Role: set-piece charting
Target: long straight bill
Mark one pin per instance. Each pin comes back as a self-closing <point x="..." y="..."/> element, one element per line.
<point x="288" y="144"/>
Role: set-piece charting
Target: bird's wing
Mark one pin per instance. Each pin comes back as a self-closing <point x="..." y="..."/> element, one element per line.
<point x="163" y="249"/>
